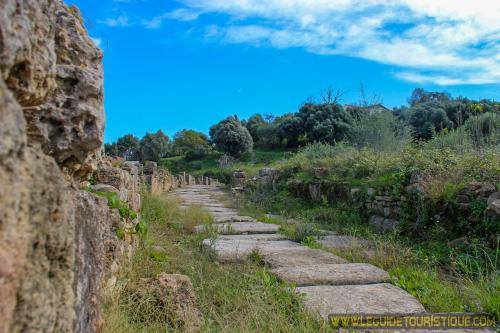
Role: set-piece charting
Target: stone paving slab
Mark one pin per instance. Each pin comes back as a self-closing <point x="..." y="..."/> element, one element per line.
<point x="299" y="256"/>
<point x="381" y="298"/>
<point x="253" y="237"/>
<point x="332" y="274"/>
<point x="341" y="242"/>
<point x="236" y="250"/>
<point x="235" y="228"/>
<point x="221" y="210"/>
<point x="232" y="218"/>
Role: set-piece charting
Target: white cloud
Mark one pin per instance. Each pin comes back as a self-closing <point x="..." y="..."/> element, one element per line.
<point x="445" y="42"/>
<point x="118" y="21"/>
<point x="180" y="14"/>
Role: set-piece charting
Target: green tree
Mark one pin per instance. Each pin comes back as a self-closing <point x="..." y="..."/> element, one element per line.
<point x="231" y="137"/>
<point x="253" y="124"/>
<point x="128" y="147"/>
<point x="426" y="119"/>
<point x="291" y="130"/>
<point x="154" y="146"/>
<point x="325" y="122"/>
<point x="189" y="142"/>
<point x="419" y="96"/>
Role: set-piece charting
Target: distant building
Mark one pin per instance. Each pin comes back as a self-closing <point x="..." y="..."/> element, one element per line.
<point x="371" y="109"/>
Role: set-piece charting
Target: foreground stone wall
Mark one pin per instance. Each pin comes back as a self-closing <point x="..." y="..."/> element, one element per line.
<point x="59" y="247"/>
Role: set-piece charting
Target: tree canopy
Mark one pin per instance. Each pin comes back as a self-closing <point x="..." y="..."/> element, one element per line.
<point x="231" y="137"/>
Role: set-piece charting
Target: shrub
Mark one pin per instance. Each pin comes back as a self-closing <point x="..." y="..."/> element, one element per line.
<point x="327" y="123"/>
<point x="231" y="137"/>
<point x="427" y="119"/>
<point x="197" y="153"/>
<point x="380" y="131"/>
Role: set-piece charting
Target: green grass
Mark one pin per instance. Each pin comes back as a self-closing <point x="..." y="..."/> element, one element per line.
<point x="232" y="298"/>
<point x="251" y="163"/>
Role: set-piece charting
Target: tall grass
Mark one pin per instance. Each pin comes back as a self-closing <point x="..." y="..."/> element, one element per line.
<point x="232" y="298"/>
<point x="484" y="129"/>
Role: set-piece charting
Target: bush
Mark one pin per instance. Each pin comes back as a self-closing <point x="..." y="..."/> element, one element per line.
<point x="427" y="119"/>
<point x="231" y="137"/>
<point x="197" y="153"/>
<point x="380" y="131"/>
<point x="327" y="123"/>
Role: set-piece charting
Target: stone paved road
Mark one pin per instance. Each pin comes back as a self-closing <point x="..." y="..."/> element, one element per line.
<point x="329" y="283"/>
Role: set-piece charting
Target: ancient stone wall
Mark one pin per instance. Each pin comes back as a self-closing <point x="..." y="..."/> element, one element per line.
<point x="383" y="209"/>
<point x="59" y="246"/>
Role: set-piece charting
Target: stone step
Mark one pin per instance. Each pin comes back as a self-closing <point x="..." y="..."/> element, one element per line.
<point x="299" y="256"/>
<point x="373" y="299"/>
<point x="237" y="250"/>
<point x="236" y="228"/>
<point x="332" y="274"/>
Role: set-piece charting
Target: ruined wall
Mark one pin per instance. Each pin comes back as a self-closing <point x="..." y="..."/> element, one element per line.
<point x="58" y="244"/>
<point x="385" y="210"/>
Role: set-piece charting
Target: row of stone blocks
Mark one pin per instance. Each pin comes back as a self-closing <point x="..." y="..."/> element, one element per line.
<point x="187" y="179"/>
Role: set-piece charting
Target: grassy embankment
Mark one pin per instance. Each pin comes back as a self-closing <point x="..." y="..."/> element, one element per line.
<point x="232" y="298"/>
<point x="209" y="166"/>
<point x="445" y="276"/>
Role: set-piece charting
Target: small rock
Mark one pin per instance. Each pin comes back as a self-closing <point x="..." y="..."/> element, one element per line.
<point x="473" y="186"/>
<point x="383" y="224"/>
<point x="387" y="211"/>
<point x="462" y="198"/>
<point x="458" y="242"/>
<point x="493" y="209"/>
<point x="315" y="191"/>
<point x="150" y="168"/>
<point x="383" y="198"/>
<point x="132" y="167"/>
<point x="173" y="293"/>
<point x="85" y="184"/>
<point x="105" y="188"/>
<point x="464" y="207"/>
<point x="493" y="197"/>
<point x="486" y="190"/>
<point x="356" y="194"/>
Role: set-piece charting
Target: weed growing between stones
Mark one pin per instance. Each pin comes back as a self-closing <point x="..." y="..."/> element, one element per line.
<point x="232" y="297"/>
<point x="114" y="202"/>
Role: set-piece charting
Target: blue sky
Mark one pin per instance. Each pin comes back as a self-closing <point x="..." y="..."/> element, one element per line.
<point x="187" y="64"/>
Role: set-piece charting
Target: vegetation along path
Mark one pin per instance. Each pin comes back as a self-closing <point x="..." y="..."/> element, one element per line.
<point x="329" y="283"/>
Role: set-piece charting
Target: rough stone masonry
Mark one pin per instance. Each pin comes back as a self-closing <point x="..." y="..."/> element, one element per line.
<point x="58" y="244"/>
